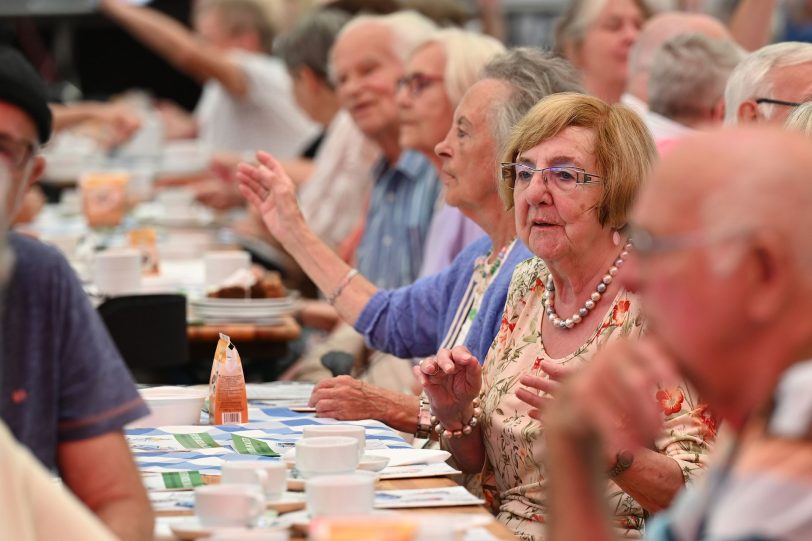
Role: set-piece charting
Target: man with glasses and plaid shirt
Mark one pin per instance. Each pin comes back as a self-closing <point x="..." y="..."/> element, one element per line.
<point x="65" y="392"/>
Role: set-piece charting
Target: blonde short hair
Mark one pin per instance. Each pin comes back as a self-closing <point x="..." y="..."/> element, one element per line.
<point x="466" y="53"/>
<point x="624" y="150"/>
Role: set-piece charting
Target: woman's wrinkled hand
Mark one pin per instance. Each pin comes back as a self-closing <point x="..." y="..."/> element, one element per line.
<point x="538" y="391"/>
<point x="451" y="379"/>
<point x="269" y="189"/>
<point x="613" y="397"/>
<point x="348" y="399"/>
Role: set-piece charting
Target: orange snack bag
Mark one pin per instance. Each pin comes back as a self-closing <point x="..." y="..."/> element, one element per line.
<point x="362" y="529"/>
<point x="144" y="240"/>
<point x="228" y="402"/>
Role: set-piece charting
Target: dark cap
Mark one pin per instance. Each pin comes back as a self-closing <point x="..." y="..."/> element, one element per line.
<point x="20" y="85"/>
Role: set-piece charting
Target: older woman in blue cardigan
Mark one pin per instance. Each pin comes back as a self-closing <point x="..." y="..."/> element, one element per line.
<point x="459" y="306"/>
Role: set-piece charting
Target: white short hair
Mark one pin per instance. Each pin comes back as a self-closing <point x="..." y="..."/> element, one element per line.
<point x="408" y="28"/>
<point x="466" y="53"/>
<point x="801" y="119"/>
<point x="751" y="78"/>
<point x="688" y="74"/>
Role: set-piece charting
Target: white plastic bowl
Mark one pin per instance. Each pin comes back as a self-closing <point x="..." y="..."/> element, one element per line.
<point x="171" y="406"/>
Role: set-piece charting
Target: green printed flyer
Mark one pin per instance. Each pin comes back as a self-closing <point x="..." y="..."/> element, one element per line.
<point x="251" y="446"/>
<point x="200" y="440"/>
<point x="182" y="479"/>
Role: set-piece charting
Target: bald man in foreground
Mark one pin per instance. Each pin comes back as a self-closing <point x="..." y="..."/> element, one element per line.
<point x="723" y="262"/>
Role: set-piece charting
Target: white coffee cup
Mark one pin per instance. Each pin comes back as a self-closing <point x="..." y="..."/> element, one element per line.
<point x="229" y="505"/>
<point x="176" y="202"/>
<point x="117" y="271"/>
<point x="270" y="476"/>
<point x="340" y="495"/>
<point x="350" y="431"/>
<point x="219" y="265"/>
<point x="331" y="455"/>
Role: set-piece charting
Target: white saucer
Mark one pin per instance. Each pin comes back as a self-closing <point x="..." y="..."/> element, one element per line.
<point x="297" y="483"/>
<point x="300" y="520"/>
<point x="368" y="462"/>
<point x="190" y="528"/>
<point x="373" y="463"/>
<point x="289" y="501"/>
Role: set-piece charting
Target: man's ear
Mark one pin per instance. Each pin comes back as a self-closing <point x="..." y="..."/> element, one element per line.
<point x="770" y="262"/>
<point x="718" y="112"/>
<point x="748" y="112"/>
<point x="310" y="79"/>
<point x="572" y="52"/>
<point x="36" y="171"/>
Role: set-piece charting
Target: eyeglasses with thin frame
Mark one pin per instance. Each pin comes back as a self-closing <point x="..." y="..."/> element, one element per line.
<point x="647" y="245"/>
<point x="16" y="152"/>
<point x="417" y="82"/>
<point x="565" y="179"/>
<point x="779" y="102"/>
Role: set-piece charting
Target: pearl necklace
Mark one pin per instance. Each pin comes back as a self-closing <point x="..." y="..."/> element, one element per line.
<point x="600" y="289"/>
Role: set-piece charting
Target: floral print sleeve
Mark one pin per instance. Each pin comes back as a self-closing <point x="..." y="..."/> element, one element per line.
<point x="688" y="431"/>
<point x="514" y="479"/>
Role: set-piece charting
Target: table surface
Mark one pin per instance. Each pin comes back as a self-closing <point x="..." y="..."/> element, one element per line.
<point x="497" y="529"/>
<point x="280" y="424"/>
<point x="285" y="331"/>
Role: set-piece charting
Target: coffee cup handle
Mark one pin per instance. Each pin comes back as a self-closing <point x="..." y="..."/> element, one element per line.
<point x="257" y="507"/>
<point x="262" y="478"/>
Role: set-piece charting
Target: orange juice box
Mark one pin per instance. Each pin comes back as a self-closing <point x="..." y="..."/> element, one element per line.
<point x="228" y="402"/>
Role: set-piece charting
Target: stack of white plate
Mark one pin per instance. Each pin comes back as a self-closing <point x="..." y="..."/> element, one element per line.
<point x="262" y="311"/>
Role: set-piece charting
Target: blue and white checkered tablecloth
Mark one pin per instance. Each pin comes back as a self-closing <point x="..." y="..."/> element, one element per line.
<point x="156" y="450"/>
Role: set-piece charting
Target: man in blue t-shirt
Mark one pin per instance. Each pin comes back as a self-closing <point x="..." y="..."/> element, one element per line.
<point x="64" y="390"/>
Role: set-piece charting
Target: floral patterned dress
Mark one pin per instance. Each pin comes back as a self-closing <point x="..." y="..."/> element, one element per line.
<point x="513" y="478"/>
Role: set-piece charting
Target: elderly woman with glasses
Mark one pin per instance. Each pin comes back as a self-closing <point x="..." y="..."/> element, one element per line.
<point x="461" y="305"/>
<point x="571" y="170"/>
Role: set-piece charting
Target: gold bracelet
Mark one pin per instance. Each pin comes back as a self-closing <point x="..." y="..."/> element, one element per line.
<point x="344" y="283"/>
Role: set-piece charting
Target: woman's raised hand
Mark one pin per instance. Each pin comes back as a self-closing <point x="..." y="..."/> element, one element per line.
<point x="451" y="379"/>
<point x="269" y="189"/>
<point x="534" y="386"/>
<point x="614" y="396"/>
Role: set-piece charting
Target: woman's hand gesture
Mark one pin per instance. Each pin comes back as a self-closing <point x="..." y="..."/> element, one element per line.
<point x="451" y="379"/>
<point x="534" y="386"/>
<point x="271" y="191"/>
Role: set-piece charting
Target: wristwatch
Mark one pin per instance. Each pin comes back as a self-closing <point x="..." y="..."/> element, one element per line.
<point x="423" y="419"/>
<point x="623" y="461"/>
